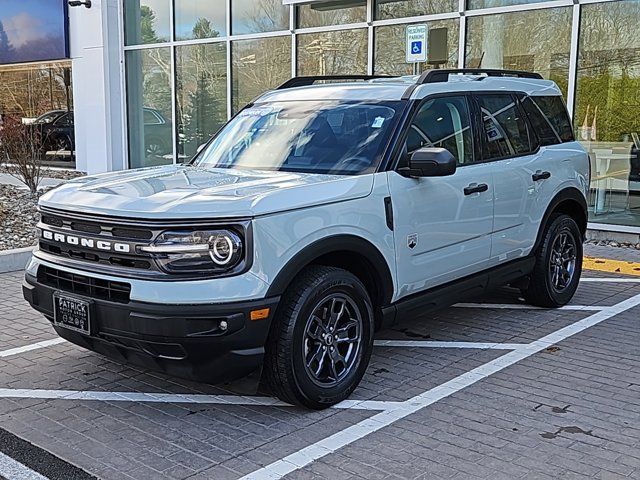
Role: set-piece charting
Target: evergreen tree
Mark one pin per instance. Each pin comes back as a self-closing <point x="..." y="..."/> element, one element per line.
<point x="205" y="111"/>
<point x="7" y="52"/>
<point x="147" y="25"/>
<point x="203" y="29"/>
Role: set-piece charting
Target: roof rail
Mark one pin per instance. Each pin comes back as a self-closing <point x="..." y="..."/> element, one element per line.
<point x="310" y="80"/>
<point x="435" y="76"/>
<point x="442" y="75"/>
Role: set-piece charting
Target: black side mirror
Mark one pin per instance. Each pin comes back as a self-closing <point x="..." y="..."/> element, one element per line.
<point x="430" y="162"/>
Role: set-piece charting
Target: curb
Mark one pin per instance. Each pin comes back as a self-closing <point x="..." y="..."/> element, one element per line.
<point x="14" y="260"/>
<point x="600" y="234"/>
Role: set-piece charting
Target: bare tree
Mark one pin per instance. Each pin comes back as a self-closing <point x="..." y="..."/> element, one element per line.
<point x="20" y="147"/>
<point x="29" y="91"/>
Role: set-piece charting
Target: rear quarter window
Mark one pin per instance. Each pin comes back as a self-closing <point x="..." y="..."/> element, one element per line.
<point x="549" y="118"/>
<point x="506" y="132"/>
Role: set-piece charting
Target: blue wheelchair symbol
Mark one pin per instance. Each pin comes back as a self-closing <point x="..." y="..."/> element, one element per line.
<point x="416" y="48"/>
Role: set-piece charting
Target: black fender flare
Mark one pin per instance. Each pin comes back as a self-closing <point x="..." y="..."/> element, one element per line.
<point x="358" y="246"/>
<point x="571" y="194"/>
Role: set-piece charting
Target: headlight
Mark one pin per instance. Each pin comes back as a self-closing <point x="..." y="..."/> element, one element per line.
<point x="202" y="251"/>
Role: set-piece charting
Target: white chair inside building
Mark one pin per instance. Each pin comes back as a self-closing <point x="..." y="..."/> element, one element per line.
<point x="610" y="176"/>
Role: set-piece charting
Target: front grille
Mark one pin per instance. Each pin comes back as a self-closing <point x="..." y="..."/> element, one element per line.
<point x="86" y="228"/>
<point x="84" y="285"/>
<point x="113" y="230"/>
<point x="96" y="257"/>
<point x="114" y="246"/>
<point x="51" y="220"/>
<point x="138" y="234"/>
<point x="107" y="231"/>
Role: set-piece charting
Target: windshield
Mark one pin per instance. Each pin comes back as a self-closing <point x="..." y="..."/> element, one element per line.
<point x="310" y="136"/>
<point x="48" y="117"/>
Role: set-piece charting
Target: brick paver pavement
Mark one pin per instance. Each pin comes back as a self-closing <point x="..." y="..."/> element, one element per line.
<point x="571" y="411"/>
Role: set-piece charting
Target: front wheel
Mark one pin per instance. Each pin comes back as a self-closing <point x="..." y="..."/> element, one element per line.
<point x="320" y="344"/>
<point x="558" y="264"/>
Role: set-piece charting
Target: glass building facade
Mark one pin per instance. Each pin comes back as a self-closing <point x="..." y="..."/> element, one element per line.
<point x="191" y="64"/>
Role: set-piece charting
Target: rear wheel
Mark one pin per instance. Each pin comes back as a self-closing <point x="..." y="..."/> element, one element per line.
<point x="320" y="344"/>
<point x="558" y="264"/>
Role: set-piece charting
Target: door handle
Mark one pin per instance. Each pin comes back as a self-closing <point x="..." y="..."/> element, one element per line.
<point x="476" y="188"/>
<point x="540" y="175"/>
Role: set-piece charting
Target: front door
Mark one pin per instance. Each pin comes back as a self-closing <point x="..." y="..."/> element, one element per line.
<point x="442" y="225"/>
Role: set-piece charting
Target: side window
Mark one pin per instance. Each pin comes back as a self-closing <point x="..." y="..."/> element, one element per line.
<point x="540" y="123"/>
<point x="506" y="133"/>
<point x="549" y="117"/>
<point x="150" y="118"/>
<point x="443" y="122"/>
<point x="64" y="121"/>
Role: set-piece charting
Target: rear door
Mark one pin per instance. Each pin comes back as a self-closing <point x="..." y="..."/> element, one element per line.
<point x="442" y="224"/>
<point x="511" y="148"/>
<point x="560" y="161"/>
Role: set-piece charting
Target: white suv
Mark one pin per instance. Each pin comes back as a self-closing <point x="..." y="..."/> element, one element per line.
<point x="316" y="215"/>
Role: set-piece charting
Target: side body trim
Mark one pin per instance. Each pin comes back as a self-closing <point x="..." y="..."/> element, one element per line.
<point x="442" y="296"/>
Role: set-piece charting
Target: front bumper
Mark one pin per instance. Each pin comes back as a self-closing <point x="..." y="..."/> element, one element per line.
<point x="183" y="340"/>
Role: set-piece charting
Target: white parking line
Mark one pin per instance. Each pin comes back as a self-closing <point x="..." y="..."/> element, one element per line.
<point x="315" y="451"/>
<point x="14" y="470"/>
<point x="141" y="397"/>
<point x="57" y="341"/>
<point x="521" y="306"/>
<point x="436" y="344"/>
<point x="611" y="280"/>
<point x="33" y="346"/>
<point x="377" y="343"/>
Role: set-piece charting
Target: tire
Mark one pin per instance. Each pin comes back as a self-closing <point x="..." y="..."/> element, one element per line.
<point x="298" y="365"/>
<point x="553" y="284"/>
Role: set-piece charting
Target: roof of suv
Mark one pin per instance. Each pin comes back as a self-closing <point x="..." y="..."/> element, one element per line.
<point x="413" y="87"/>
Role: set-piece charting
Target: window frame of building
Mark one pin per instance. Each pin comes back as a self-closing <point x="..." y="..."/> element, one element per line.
<point x="304" y="10"/>
<point x="578" y="11"/>
<point x="370" y="24"/>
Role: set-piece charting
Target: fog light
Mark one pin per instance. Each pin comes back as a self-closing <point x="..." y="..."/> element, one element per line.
<point x="223" y="325"/>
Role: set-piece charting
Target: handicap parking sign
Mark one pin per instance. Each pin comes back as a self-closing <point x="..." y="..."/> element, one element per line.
<point x="416" y="43"/>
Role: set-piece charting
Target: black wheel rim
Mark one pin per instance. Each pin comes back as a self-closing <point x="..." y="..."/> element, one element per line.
<point x="332" y="339"/>
<point x="562" y="264"/>
<point x="154" y="150"/>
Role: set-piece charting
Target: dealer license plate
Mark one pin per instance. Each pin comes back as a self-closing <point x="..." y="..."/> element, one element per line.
<point x="72" y="313"/>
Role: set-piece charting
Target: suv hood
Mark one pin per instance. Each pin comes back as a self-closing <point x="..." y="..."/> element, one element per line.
<point x="183" y="192"/>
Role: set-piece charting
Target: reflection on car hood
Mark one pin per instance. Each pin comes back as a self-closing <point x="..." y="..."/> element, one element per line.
<point x="183" y="192"/>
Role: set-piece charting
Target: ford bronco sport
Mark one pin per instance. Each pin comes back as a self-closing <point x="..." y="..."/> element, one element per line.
<point x="323" y="210"/>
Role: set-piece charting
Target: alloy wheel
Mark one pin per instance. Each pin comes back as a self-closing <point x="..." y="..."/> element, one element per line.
<point x="562" y="264"/>
<point x="332" y="339"/>
<point x="154" y="150"/>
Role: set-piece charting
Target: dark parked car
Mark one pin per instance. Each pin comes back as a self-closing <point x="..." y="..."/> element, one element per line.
<point x="157" y="133"/>
<point x="56" y="130"/>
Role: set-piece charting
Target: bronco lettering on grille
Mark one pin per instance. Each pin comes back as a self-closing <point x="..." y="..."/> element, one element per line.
<point x="74" y="240"/>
